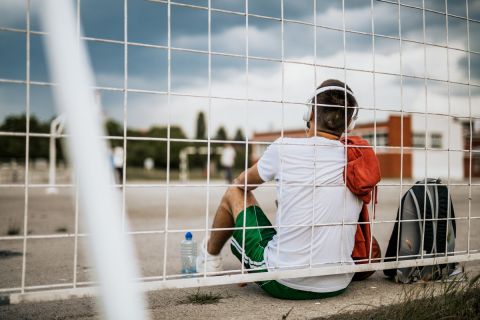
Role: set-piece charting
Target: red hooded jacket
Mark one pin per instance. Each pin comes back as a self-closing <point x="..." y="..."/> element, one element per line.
<point x="362" y="175"/>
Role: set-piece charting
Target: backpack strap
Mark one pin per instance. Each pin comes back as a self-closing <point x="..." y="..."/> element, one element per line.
<point x="442" y="218"/>
<point x="421" y="195"/>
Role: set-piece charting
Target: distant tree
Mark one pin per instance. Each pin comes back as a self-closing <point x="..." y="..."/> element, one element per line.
<point x="114" y="128"/>
<point x="239" y="136"/>
<point x="138" y="150"/>
<point x="14" y="147"/>
<point x="240" y="148"/>
<point x="198" y="160"/>
<point x="18" y="123"/>
<point x="176" y="147"/>
<point x="201" y="127"/>
<point x="221" y="134"/>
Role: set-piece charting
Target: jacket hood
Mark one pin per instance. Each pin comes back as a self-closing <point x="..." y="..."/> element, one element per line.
<point x="362" y="172"/>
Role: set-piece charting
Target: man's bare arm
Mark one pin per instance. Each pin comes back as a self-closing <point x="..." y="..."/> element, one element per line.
<point x="251" y="176"/>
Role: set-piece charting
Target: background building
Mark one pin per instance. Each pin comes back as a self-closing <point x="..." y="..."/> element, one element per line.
<point x="432" y="146"/>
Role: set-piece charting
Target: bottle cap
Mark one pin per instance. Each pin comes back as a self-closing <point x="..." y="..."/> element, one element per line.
<point x="188" y="236"/>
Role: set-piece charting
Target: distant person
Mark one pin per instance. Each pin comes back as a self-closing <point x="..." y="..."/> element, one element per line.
<point x="309" y="174"/>
<point x="14" y="166"/>
<point x="118" y="163"/>
<point x="227" y="160"/>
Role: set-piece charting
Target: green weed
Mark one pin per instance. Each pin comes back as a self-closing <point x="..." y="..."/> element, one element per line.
<point x="457" y="299"/>
<point x="202" y="298"/>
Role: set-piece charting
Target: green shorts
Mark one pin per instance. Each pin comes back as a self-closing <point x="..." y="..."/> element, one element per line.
<point x="256" y="239"/>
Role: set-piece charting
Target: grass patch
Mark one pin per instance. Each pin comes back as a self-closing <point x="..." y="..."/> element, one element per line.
<point x="452" y="300"/>
<point x="8" y="254"/>
<point x="61" y="230"/>
<point x="202" y="298"/>
<point x="13" y="230"/>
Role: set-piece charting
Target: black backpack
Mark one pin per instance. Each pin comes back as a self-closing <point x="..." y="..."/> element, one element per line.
<point x="439" y="234"/>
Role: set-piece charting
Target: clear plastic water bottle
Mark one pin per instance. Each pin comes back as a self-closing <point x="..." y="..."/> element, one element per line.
<point x="188" y="254"/>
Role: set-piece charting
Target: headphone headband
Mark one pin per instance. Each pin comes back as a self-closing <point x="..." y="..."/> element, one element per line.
<point x="329" y="88"/>
<point x="308" y="111"/>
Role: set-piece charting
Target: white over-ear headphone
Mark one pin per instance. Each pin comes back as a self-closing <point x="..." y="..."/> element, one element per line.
<point x="308" y="111"/>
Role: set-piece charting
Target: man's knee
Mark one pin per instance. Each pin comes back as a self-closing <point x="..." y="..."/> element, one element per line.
<point x="236" y="199"/>
<point x="233" y="195"/>
<point x="233" y="192"/>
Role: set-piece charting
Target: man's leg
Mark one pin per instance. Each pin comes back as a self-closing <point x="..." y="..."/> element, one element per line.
<point x="229" y="174"/>
<point x="232" y="203"/>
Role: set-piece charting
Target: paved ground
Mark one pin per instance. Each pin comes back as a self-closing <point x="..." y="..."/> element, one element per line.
<point x="50" y="261"/>
<point x="238" y="303"/>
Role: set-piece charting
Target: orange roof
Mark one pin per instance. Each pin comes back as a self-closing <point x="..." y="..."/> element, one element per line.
<point x="271" y="136"/>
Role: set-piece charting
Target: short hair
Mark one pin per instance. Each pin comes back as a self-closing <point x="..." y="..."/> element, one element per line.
<point x="330" y="107"/>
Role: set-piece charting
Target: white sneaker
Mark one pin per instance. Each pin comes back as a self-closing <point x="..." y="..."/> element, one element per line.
<point x="212" y="263"/>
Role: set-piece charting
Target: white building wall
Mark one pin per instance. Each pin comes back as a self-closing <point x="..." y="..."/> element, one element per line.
<point x="438" y="163"/>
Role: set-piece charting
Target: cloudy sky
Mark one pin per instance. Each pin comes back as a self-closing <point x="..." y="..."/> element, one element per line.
<point x="148" y="65"/>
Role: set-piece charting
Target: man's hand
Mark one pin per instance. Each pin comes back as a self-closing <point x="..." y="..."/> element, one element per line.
<point x="248" y="180"/>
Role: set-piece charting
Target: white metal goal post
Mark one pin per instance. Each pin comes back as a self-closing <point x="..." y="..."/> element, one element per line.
<point x="56" y="129"/>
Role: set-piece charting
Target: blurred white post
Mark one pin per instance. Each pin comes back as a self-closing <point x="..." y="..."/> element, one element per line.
<point x="112" y="250"/>
<point x="56" y="128"/>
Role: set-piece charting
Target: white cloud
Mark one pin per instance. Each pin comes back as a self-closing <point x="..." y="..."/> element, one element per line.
<point x="299" y="83"/>
<point x="265" y="80"/>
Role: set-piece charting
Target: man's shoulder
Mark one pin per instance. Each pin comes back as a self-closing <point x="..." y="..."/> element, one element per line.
<point x="299" y="141"/>
<point x="290" y="140"/>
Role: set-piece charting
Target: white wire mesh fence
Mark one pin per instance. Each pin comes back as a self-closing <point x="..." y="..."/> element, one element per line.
<point x="412" y="64"/>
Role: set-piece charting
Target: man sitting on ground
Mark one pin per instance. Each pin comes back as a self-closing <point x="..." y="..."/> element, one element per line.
<point x="317" y="215"/>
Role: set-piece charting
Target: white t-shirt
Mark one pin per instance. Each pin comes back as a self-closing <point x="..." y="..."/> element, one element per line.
<point x="228" y="157"/>
<point x="295" y="164"/>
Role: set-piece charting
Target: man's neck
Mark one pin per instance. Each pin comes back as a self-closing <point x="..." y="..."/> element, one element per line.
<point x="311" y="133"/>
